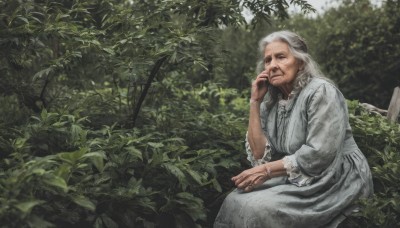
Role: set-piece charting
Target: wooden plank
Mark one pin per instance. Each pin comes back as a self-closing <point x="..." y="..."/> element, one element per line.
<point x="372" y="109"/>
<point x="394" y="106"/>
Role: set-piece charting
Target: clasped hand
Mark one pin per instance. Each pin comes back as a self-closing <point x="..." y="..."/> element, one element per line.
<point x="251" y="178"/>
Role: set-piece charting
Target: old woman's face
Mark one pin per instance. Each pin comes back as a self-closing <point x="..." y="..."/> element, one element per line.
<point x="280" y="64"/>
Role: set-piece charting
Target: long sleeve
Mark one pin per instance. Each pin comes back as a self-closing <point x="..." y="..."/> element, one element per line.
<point x="326" y="129"/>
<point x="265" y="158"/>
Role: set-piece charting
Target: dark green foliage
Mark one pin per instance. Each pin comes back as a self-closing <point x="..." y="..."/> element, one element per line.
<point x="60" y="172"/>
<point x="100" y="124"/>
<point x="363" y="51"/>
<point x="118" y="113"/>
<point x="380" y="142"/>
<point x="356" y="45"/>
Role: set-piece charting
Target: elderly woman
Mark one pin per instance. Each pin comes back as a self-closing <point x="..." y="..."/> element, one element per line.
<point x="307" y="169"/>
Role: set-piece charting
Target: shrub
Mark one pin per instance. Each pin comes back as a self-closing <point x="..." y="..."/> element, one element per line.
<point x="172" y="172"/>
<point x="380" y="142"/>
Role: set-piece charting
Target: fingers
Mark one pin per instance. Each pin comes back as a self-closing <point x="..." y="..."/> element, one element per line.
<point x="259" y="180"/>
<point x="238" y="180"/>
<point x="246" y="186"/>
<point x="241" y="175"/>
<point x="247" y="181"/>
<point x="241" y="180"/>
<point x="263" y="76"/>
<point x="249" y="188"/>
<point x="260" y="83"/>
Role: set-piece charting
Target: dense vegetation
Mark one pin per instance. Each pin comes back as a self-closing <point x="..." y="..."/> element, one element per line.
<point x="362" y="56"/>
<point x="123" y="113"/>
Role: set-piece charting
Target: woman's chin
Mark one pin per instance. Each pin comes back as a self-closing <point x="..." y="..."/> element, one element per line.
<point x="275" y="83"/>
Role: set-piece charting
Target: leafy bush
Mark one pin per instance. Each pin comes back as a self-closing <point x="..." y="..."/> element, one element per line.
<point x="74" y="151"/>
<point x="380" y="142"/>
<point x="173" y="172"/>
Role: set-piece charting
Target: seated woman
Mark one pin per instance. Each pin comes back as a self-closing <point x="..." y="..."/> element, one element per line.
<point x="307" y="169"/>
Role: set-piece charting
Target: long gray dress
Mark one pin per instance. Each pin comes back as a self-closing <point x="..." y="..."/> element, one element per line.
<point x="312" y="130"/>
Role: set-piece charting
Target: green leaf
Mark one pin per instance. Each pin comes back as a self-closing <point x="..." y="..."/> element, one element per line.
<point x="63" y="171"/>
<point x="98" y="162"/>
<point x="177" y="172"/>
<point x="155" y="145"/>
<point x="109" y="51"/>
<point x="216" y="185"/>
<point x="76" y="132"/>
<point x="35" y="221"/>
<point x="191" y="205"/>
<point x="38" y="171"/>
<point x="97" y="159"/>
<point x="135" y="152"/>
<point x="26" y="207"/>
<point x="72" y="157"/>
<point x="42" y="73"/>
<point x="97" y="154"/>
<point x="195" y="175"/>
<point x="84" y="202"/>
<point x="156" y="159"/>
<point x="23" y="19"/>
<point x="44" y="114"/>
<point x="57" y="181"/>
<point x="105" y="222"/>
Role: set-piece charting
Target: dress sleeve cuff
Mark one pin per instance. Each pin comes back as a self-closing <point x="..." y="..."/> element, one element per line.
<point x="296" y="177"/>
<point x="265" y="158"/>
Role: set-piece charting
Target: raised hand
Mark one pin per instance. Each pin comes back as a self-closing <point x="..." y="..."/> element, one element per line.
<point x="259" y="87"/>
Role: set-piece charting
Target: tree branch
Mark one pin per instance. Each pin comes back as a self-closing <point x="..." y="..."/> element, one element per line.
<point x="143" y="94"/>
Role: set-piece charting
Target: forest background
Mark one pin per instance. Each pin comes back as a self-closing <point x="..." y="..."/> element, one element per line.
<point x="125" y="113"/>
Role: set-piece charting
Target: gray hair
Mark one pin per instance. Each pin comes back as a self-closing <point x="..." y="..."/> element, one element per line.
<point x="298" y="48"/>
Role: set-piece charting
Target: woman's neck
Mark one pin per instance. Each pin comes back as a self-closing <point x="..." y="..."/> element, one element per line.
<point x="286" y="90"/>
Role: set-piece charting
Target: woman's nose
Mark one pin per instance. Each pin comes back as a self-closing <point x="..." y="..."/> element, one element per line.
<point x="273" y="64"/>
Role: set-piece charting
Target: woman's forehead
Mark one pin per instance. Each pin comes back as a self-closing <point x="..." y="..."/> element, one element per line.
<point x="276" y="47"/>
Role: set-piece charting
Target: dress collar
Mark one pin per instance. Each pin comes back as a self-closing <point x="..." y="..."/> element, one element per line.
<point x="286" y="105"/>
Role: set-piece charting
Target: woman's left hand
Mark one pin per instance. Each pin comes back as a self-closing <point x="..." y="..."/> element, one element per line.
<point x="251" y="178"/>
